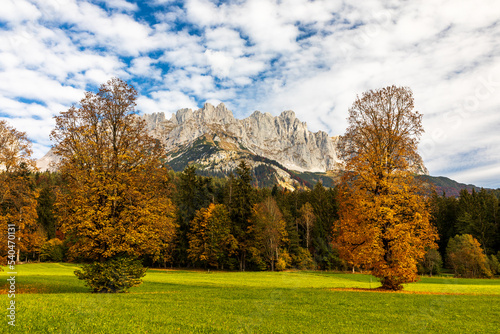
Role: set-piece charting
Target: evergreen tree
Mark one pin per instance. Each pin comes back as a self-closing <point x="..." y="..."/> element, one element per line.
<point x="46" y="183"/>
<point x="444" y="211"/>
<point x="193" y="193"/>
<point x="240" y="202"/>
<point x="325" y="209"/>
<point x="478" y="215"/>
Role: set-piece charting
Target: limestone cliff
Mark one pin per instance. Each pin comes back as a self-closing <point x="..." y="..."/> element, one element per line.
<point x="283" y="138"/>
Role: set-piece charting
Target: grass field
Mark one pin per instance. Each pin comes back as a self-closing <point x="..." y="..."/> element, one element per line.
<point x="52" y="300"/>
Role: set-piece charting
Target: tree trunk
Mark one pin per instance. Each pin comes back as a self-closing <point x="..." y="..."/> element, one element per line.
<point x="307" y="236"/>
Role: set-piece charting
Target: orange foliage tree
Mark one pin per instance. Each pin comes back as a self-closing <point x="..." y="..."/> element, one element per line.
<point x="383" y="221"/>
<point x="116" y="196"/>
<point x="269" y="229"/>
<point x="466" y="257"/>
<point x="210" y="238"/>
<point x="17" y="194"/>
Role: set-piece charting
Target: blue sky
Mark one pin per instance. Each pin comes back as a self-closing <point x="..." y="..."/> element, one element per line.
<point x="313" y="57"/>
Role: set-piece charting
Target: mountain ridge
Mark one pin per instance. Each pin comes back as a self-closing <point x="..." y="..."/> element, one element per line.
<point x="283" y="138"/>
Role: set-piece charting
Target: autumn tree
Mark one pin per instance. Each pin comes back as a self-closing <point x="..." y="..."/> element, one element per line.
<point x="116" y="197"/>
<point x="466" y="257"/>
<point x="17" y="194"/>
<point x="269" y="229"/>
<point x="306" y="219"/>
<point x="383" y="221"/>
<point x="210" y="238"/>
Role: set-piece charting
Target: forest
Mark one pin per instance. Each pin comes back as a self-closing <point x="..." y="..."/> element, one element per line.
<point x="279" y="228"/>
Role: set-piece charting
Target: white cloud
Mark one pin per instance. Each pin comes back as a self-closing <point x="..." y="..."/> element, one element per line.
<point x="33" y="85"/>
<point x="164" y="101"/>
<point x="121" y="5"/>
<point x="18" y="11"/>
<point x="145" y="67"/>
<point x="309" y="56"/>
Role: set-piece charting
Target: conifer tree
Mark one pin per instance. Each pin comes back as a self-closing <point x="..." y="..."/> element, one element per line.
<point x="241" y="202"/>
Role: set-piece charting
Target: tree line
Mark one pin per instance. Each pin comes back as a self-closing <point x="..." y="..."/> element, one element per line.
<point x="219" y="224"/>
<point x="294" y="228"/>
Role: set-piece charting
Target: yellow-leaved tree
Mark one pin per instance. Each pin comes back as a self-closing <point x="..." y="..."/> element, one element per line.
<point x="115" y="201"/>
<point x="269" y="230"/>
<point x="383" y="221"/>
<point x="210" y="238"/>
<point x="17" y="196"/>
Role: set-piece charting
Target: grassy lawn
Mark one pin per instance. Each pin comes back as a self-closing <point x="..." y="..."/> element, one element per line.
<point x="55" y="301"/>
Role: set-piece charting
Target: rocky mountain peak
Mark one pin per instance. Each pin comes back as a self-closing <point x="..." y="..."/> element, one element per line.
<point x="154" y="120"/>
<point x="219" y="114"/>
<point x="208" y="114"/>
<point x="213" y="138"/>
<point x="182" y="116"/>
<point x="288" y="115"/>
<point x="282" y="138"/>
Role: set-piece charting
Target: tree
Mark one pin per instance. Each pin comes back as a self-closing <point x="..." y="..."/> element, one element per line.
<point x="17" y="195"/>
<point x="432" y="262"/>
<point x="494" y="264"/>
<point x="325" y="206"/>
<point x="15" y="149"/>
<point x="116" y="196"/>
<point x="383" y="221"/>
<point x="269" y="229"/>
<point x="306" y="219"/>
<point x="444" y="211"/>
<point x="47" y="184"/>
<point x="466" y="257"/>
<point x="193" y="192"/>
<point x="478" y="215"/>
<point x="240" y="202"/>
<point x="210" y="238"/>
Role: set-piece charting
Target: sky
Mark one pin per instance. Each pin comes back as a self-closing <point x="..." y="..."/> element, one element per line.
<point x="313" y="57"/>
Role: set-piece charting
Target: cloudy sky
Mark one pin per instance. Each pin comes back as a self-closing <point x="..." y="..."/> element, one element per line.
<point x="313" y="57"/>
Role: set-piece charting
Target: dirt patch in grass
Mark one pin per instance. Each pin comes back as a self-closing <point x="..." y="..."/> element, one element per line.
<point x="380" y="290"/>
<point x="32" y="288"/>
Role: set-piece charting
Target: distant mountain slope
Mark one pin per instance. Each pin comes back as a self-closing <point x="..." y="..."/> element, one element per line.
<point x="447" y="186"/>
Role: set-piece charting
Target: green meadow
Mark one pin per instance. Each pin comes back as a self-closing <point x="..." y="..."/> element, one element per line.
<point x="51" y="299"/>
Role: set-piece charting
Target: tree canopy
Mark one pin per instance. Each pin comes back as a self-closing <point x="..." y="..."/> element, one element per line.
<point x="116" y="196"/>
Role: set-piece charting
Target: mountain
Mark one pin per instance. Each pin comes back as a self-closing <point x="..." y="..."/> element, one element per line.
<point x="278" y="148"/>
<point x="444" y="185"/>
<point x="283" y="138"/>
